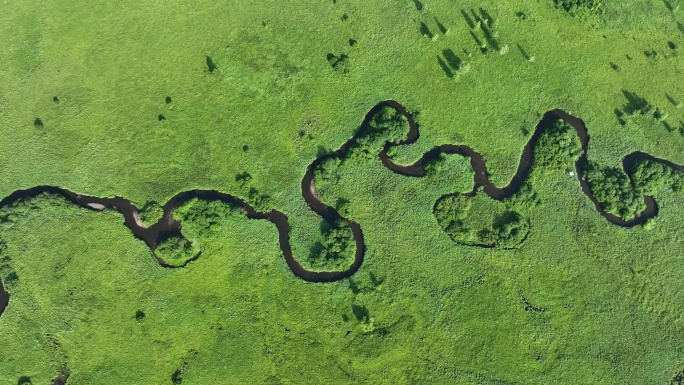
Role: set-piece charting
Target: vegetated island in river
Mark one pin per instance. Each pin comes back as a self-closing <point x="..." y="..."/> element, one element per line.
<point x="378" y="119"/>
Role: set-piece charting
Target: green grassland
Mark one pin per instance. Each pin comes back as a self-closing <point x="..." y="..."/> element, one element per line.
<point x="147" y="99"/>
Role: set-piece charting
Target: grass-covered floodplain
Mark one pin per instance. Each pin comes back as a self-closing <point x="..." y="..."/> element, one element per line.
<point x="145" y="100"/>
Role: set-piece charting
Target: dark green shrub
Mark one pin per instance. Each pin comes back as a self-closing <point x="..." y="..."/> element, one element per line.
<point x="386" y="125"/>
<point x="140" y="316"/>
<point x="211" y="66"/>
<point x="176" y="251"/>
<point x="612" y="189"/>
<point x="510" y="229"/>
<point x="150" y="213"/>
<point x="558" y="147"/>
<point x="653" y="177"/>
<point x="336" y="251"/>
<point x="525" y="198"/>
<point x="678" y="378"/>
<point x="480" y="221"/>
<point x="326" y="176"/>
<point x="338" y="63"/>
<point x="203" y="216"/>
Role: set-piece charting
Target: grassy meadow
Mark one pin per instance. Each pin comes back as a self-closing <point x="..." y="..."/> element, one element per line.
<point x="147" y="99"/>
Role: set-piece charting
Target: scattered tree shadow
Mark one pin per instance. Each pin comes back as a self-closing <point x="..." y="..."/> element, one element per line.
<point x="487" y="17"/>
<point x="315" y="250"/>
<point x="243" y="177"/>
<point x="425" y="31"/>
<point x="38" y="123"/>
<point x="341" y="205"/>
<point x="445" y="68"/>
<point x="680" y="26"/>
<point x="177" y="376"/>
<point x="467" y="18"/>
<point x="452" y="59"/>
<point x="211" y="66"/>
<point x="338" y="63"/>
<point x="619" y="114"/>
<point x="352" y="42"/>
<point x="669" y="5"/>
<point x="615" y="67"/>
<point x="361" y="313"/>
<point x="418" y="4"/>
<point x="442" y="28"/>
<point x="635" y="103"/>
<point x="524" y="53"/>
<point x="322" y="151"/>
<point x="671" y="100"/>
<point x="24" y="380"/>
<point x="477" y="40"/>
<point x="140" y="316"/>
<point x="354" y="287"/>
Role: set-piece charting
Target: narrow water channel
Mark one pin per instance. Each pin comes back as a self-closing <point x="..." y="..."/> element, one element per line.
<point x="168" y="226"/>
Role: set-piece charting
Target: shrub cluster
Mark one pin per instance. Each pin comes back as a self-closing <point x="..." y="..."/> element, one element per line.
<point x="525" y="198"/>
<point x="651" y="178"/>
<point x="618" y="195"/>
<point x="638" y="107"/>
<point x="386" y="125"/>
<point x="205" y="216"/>
<point x="489" y="227"/>
<point x="150" y="213"/>
<point x="336" y="251"/>
<point x="176" y="251"/>
<point x="558" y="147"/>
<point x="612" y="189"/>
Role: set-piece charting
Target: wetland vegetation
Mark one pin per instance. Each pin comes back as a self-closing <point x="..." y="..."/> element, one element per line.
<point x="476" y="233"/>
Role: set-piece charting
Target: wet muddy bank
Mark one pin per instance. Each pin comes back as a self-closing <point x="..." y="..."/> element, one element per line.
<point x="167" y="226"/>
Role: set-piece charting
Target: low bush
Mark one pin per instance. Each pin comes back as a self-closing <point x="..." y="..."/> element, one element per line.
<point x="176" y="251"/>
<point x="558" y="147"/>
<point x="150" y="213"/>
<point x="206" y="216"/>
<point x="653" y="177"/>
<point x="386" y="125"/>
<point x="612" y="189"/>
<point x="337" y="250"/>
<point x="481" y="221"/>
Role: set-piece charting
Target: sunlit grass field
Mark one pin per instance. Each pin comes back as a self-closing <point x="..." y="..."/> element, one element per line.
<point x="147" y="99"/>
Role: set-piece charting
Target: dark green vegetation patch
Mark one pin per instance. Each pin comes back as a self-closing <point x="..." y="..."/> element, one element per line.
<point x="575" y="7"/>
<point x="480" y="221"/>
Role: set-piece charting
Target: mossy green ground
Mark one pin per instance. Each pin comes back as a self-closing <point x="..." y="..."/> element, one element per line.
<point x="422" y="309"/>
